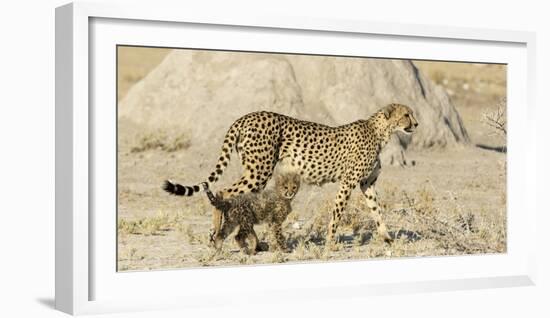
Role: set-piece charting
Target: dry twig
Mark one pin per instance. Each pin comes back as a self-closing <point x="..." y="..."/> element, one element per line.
<point x="497" y="119"/>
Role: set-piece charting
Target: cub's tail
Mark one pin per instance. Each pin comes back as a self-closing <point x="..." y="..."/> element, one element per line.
<point x="217" y="201"/>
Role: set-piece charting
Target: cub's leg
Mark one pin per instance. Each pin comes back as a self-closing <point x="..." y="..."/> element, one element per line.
<point x="240" y="239"/>
<point x="253" y="242"/>
<point x="237" y="188"/>
<point x="277" y="233"/>
<point x="215" y="232"/>
<point x="227" y="224"/>
<point x="218" y="237"/>
<point x="367" y="187"/>
<point x="245" y="233"/>
<point x="245" y="219"/>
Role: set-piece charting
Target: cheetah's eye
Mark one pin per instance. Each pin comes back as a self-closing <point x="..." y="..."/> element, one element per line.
<point x="406" y="115"/>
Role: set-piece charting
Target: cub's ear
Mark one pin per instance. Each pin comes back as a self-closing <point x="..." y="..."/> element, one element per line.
<point x="388" y="110"/>
<point x="296" y="178"/>
<point x="279" y="178"/>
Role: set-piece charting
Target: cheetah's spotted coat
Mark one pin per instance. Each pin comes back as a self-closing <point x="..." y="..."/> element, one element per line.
<point x="347" y="154"/>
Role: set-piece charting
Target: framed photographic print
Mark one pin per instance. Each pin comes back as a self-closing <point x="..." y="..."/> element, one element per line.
<point x="201" y="155"/>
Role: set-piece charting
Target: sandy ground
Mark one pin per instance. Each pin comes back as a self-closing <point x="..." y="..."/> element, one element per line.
<point x="450" y="202"/>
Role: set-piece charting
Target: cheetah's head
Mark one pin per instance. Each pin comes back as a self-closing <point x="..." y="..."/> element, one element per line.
<point x="288" y="185"/>
<point x="402" y="117"/>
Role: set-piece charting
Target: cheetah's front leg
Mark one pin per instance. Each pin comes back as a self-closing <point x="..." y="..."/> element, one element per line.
<point x="367" y="187"/>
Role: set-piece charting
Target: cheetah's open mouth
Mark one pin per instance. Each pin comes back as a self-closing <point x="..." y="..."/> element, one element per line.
<point x="409" y="130"/>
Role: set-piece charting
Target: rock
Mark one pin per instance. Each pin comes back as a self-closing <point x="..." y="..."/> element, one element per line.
<point x="199" y="94"/>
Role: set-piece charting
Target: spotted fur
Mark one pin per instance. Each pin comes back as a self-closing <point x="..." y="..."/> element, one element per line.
<point x="270" y="206"/>
<point x="347" y="154"/>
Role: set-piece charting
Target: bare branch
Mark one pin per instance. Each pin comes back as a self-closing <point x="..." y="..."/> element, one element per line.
<point x="497" y="119"/>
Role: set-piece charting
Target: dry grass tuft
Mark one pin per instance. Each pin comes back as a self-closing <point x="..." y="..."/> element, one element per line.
<point x="158" y="224"/>
<point x="424" y="222"/>
<point x="278" y="257"/>
<point x="145" y="226"/>
<point x="160" y="141"/>
<point x="456" y="229"/>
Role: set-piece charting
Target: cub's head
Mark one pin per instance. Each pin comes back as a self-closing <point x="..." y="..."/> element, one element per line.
<point x="287" y="185"/>
<point x="401" y="117"/>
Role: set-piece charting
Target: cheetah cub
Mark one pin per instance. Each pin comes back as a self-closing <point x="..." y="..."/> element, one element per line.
<point x="270" y="206"/>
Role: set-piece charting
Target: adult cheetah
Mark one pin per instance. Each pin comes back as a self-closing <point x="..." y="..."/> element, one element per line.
<point x="347" y="154"/>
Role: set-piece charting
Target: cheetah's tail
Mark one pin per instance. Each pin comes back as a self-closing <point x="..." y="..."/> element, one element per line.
<point x="229" y="143"/>
<point x="178" y="189"/>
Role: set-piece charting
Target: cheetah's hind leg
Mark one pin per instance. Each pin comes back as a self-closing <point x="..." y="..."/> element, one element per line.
<point x="339" y="205"/>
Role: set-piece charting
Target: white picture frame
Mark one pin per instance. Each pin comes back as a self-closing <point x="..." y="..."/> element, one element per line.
<point x="76" y="267"/>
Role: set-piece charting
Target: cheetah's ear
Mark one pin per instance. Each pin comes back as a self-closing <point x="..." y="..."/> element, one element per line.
<point x="388" y="110"/>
